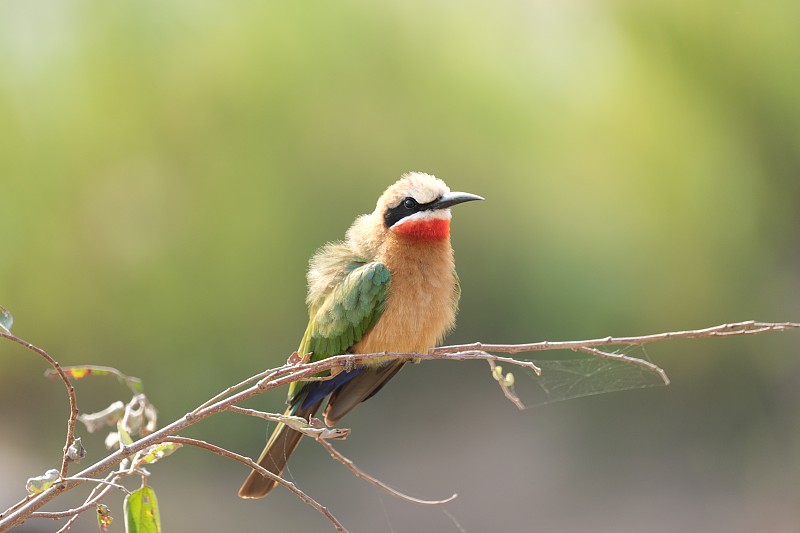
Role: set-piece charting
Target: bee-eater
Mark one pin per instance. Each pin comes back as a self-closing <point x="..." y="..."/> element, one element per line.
<point x="391" y="285"/>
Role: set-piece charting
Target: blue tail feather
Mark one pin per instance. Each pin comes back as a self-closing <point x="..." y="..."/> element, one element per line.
<point x="317" y="390"/>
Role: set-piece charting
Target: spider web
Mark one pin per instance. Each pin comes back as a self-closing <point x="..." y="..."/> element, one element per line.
<point x="568" y="376"/>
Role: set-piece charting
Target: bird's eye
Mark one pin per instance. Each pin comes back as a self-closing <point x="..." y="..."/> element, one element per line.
<point x="407" y="207"/>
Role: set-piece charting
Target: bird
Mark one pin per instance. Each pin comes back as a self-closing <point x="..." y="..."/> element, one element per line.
<point x="389" y="286"/>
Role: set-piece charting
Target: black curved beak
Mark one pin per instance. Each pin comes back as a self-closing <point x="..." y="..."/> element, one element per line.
<point x="450" y="199"/>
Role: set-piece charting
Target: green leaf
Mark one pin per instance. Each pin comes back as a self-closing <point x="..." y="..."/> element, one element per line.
<point x="141" y="512"/>
<point x="83" y="371"/>
<point x="157" y="452"/>
<point x="38" y="484"/>
<point x="104" y="517"/>
<point x="124" y="437"/>
<point x="6" y="320"/>
<point x="134" y="384"/>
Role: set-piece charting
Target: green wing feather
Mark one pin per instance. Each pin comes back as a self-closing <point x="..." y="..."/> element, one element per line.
<point x="349" y="311"/>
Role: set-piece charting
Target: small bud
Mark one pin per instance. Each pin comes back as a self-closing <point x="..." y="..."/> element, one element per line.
<point x="508" y="381"/>
<point x="497" y="373"/>
<point x="76" y="451"/>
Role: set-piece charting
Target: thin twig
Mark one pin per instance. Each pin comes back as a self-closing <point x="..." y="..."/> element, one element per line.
<point x="261" y="470"/>
<point x="267" y="375"/>
<point x="57" y="515"/>
<point x="749" y="327"/>
<point x="261" y="375"/>
<point x="102" y="482"/>
<point x="297" y="423"/>
<point x="73" y="400"/>
<point x="92" y="500"/>
<point x="269" y="417"/>
<point x="507" y="392"/>
<point x="17" y="505"/>
<point x="627" y="359"/>
<point x="83" y="508"/>
<point x="455" y="522"/>
<point x="363" y="475"/>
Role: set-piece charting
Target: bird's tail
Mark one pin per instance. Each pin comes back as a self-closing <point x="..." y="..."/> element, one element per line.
<point x="280" y="446"/>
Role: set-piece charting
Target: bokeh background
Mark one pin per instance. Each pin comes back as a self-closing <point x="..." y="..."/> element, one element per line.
<point x="167" y="168"/>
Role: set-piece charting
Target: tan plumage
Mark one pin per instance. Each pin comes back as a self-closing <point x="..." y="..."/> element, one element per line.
<point x="414" y="312"/>
<point x="423" y="297"/>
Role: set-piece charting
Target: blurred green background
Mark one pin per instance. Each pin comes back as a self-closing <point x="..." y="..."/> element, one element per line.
<point x="167" y="168"/>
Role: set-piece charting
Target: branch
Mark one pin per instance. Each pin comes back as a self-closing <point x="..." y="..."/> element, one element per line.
<point x="322" y="435"/>
<point x="506" y="388"/>
<point x="91" y="501"/>
<point x="73" y="400"/>
<point x="316" y="431"/>
<point x="102" y="482"/>
<point x="363" y="475"/>
<point x="750" y="327"/>
<point x="626" y="359"/>
<point x="298" y="370"/>
<point x="57" y="515"/>
<point x="261" y="375"/>
<point x="263" y="471"/>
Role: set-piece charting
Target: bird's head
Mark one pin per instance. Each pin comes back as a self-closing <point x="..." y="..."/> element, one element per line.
<point x="417" y="206"/>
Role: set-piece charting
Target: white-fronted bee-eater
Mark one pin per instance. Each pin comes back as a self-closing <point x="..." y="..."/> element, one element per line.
<point x="390" y="286"/>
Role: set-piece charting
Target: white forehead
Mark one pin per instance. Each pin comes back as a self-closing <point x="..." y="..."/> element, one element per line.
<point x="422" y="187"/>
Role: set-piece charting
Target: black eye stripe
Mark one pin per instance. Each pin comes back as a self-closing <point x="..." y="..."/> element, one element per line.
<point x="407" y="207"/>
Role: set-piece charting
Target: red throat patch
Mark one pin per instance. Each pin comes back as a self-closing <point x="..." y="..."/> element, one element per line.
<point x="431" y="229"/>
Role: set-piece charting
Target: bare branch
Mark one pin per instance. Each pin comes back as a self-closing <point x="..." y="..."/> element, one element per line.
<point x="269" y="417"/>
<point x="322" y="435"/>
<point x="103" y="482"/>
<point x="233" y="388"/>
<point x="17" y="505"/>
<point x="73" y="400"/>
<point x="750" y="327"/>
<point x="301" y="370"/>
<point x="627" y="359"/>
<point x="363" y="475"/>
<point x="57" y="515"/>
<point x="92" y="500"/>
<point x="261" y="470"/>
<point x="297" y="423"/>
<point x="507" y="392"/>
